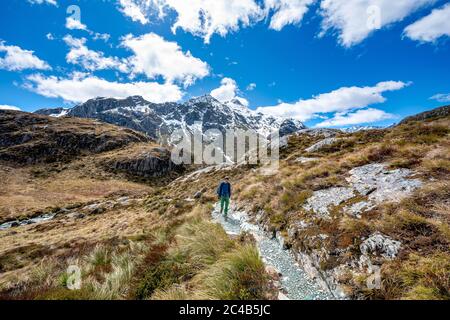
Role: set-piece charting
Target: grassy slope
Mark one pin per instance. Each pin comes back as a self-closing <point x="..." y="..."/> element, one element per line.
<point x="141" y="250"/>
<point x="165" y="248"/>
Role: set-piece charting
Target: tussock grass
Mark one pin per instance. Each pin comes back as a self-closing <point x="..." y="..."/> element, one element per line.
<point x="203" y="242"/>
<point x="238" y="275"/>
<point x="174" y="293"/>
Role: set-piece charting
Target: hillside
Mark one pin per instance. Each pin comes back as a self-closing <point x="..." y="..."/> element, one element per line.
<point x="348" y="206"/>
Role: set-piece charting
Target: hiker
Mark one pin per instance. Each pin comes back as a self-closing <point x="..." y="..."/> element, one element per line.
<point x="224" y="193"/>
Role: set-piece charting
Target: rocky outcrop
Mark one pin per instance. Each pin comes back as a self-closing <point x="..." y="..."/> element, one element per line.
<point x="322" y="200"/>
<point x="380" y="184"/>
<point x="374" y="182"/>
<point x="319" y="145"/>
<point x="152" y="163"/>
<point x="379" y="244"/>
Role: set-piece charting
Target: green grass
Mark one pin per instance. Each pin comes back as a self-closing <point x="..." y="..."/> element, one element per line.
<point x="238" y="275"/>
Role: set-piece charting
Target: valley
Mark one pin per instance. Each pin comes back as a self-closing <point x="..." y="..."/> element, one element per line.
<point x="364" y="204"/>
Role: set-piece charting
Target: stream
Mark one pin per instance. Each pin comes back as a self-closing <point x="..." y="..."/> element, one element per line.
<point x="17" y="223"/>
<point x="294" y="280"/>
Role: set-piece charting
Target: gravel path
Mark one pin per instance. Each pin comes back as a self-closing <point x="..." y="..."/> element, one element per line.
<point x="294" y="280"/>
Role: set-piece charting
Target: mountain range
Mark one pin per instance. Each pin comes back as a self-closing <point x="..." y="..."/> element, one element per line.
<point x="159" y="121"/>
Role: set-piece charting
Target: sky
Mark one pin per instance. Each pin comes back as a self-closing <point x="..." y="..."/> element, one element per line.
<point x="328" y="63"/>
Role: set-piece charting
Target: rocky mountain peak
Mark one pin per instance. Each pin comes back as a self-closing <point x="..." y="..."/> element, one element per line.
<point x="161" y="120"/>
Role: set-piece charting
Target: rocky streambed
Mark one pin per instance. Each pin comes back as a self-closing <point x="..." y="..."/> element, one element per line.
<point x="295" y="283"/>
<point x="80" y="211"/>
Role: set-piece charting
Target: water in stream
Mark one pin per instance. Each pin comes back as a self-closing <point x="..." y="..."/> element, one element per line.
<point x="294" y="280"/>
<point x="16" y="223"/>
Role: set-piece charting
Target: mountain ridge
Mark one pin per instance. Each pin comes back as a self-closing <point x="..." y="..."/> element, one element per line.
<point x="160" y="120"/>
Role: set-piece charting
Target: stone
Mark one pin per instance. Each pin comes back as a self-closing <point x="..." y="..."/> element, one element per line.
<point x="306" y="160"/>
<point x="321" y="200"/>
<point x="198" y="195"/>
<point x="381" y="184"/>
<point x="356" y="209"/>
<point x="319" y="145"/>
<point x="380" y="244"/>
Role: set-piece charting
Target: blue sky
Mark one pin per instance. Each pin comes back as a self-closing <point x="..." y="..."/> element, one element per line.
<point x="325" y="62"/>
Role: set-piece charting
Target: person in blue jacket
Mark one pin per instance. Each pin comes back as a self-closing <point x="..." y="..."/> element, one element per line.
<point x="224" y="193"/>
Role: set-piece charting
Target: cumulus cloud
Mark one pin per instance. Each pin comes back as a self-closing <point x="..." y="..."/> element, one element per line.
<point x="363" y="116"/>
<point x="431" y="27"/>
<point x="52" y="2"/>
<point x="251" y="87"/>
<point x="338" y="101"/>
<point x="286" y="12"/>
<point x="7" y="107"/>
<point x="18" y="59"/>
<point x="80" y="88"/>
<point x="134" y="9"/>
<point x="228" y="91"/>
<point x="355" y="20"/>
<point x="203" y="18"/>
<point x="80" y="54"/>
<point x="441" y="97"/>
<point x="75" y="24"/>
<point x="154" y="56"/>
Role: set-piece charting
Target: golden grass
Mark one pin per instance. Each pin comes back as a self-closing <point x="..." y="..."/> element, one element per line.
<point x="22" y="194"/>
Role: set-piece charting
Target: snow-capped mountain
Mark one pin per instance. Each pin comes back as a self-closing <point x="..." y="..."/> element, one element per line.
<point x="159" y="121"/>
<point x="53" y="112"/>
<point x="354" y="129"/>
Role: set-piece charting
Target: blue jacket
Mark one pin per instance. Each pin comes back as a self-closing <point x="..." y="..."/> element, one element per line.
<point x="224" y="190"/>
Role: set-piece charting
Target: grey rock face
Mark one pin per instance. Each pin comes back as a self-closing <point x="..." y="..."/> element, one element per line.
<point x="381" y="184"/>
<point x="382" y="245"/>
<point x="319" y="145"/>
<point x="358" y="208"/>
<point x="322" y="200"/>
<point x="374" y="181"/>
<point x="326" y="133"/>
<point x="148" y="164"/>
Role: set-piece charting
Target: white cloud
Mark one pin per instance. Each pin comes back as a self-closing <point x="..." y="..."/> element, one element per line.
<point x="202" y="18"/>
<point x="228" y="91"/>
<point x="154" y="56"/>
<point x="80" y="88"/>
<point x="286" y="12"/>
<point x="441" y="97"/>
<point x="101" y="36"/>
<point x="7" y="107"/>
<point x="251" y="87"/>
<point x="52" y="2"/>
<point x="135" y="10"/>
<point x="75" y="24"/>
<point x="17" y="59"/>
<point x="91" y="60"/>
<point x="431" y="27"/>
<point x="355" y="20"/>
<point x="340" y="100"/>
<point x="50" y="36"/>
<point x="363" y="116"/>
